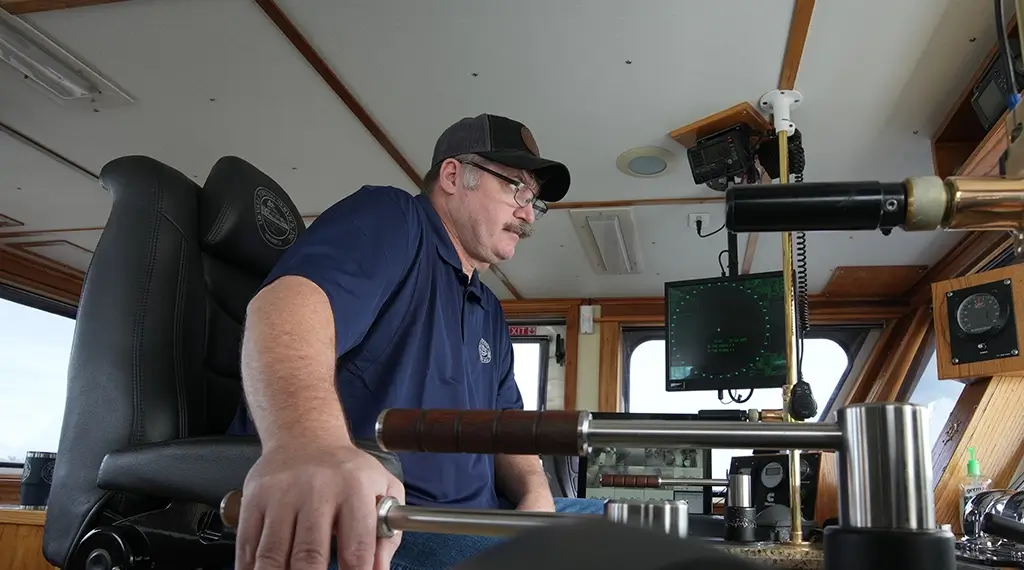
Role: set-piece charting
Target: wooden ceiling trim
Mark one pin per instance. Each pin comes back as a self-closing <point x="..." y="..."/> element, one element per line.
<point x="505" y="281"/>
<point x="20" y="7"/>
<point x="799" y="26"/>
<point x="968" y="256"/>
<point x="285" y="25"/>
<point x="872" y="281"/>
<point x="299" y="41"/>
<point x="39" y="275"/>
<point x="40" y="147"/>
<point x="637" y="202"/>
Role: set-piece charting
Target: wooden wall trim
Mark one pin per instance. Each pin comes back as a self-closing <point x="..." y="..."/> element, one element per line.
<point x="10" y="489"/>
<point x="609" y="377"/>
<point x="32" y="273"/>
<point x="995" y="428"/>
<point x="567" y="309"/>
<point x="824" y="310"/>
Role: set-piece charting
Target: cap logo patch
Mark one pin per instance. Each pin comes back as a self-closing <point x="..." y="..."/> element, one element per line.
<point x="529" y="141"/>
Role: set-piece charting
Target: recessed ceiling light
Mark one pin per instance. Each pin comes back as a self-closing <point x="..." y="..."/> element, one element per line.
<point x="645" y="161"/>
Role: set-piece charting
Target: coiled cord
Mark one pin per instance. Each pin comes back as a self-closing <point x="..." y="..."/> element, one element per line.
<point x="797" y="162"/>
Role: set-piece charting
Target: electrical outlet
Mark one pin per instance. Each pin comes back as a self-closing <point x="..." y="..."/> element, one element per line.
<point x="705" y="219"/>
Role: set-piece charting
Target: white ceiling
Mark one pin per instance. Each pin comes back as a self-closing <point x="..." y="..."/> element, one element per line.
<point x="209" y="82"/>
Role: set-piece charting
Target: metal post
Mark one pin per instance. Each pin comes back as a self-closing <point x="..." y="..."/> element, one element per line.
<point x="885" y="468"/>
<point x="796" y="534"/>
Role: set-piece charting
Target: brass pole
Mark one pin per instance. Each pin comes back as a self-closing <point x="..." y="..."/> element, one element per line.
<point x="796" y="534"/>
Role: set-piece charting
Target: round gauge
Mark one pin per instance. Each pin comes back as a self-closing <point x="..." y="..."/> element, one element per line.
<point x="979" y="313"/>
<point x="771" y="474"/>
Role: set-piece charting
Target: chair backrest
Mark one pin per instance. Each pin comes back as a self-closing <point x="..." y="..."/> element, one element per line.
<point x="156" y="347"/>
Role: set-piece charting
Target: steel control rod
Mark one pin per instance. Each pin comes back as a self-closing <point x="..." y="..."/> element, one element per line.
<point x="574" y="432"/>
<point x="393" y="517"/>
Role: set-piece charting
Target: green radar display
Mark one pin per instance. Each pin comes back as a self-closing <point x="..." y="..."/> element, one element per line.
<point x="725" y="333"/>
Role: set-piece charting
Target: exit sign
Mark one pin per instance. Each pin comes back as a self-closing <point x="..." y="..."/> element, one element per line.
<point x="522" y="331"/>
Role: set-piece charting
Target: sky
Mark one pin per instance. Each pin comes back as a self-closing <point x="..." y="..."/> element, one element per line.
<point x="34" y="351"/>
<point x="35" y="347"/>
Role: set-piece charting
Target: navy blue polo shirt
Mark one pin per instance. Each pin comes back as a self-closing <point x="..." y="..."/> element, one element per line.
<point x="413" y="330"/>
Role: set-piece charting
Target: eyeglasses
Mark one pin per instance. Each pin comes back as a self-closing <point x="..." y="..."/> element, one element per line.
<point x="524" y="194"/>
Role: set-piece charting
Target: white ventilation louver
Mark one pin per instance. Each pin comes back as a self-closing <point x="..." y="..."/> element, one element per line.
<point x="609" y="239"/>
<point x="47" y="66"/>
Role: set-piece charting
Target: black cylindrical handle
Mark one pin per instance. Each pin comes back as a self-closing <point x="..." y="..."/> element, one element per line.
<point x="1002" y="527"/>
<point x="815" y="206"/>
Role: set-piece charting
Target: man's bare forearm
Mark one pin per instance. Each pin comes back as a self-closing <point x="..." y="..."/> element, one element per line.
<point x="288" y="360"/>
<point x="518" y="476"/>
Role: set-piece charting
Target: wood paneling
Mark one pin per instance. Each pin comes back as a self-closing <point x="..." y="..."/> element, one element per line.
<point x="824" y="310"/>
<point x="995" y="429"/>
<point x="10" y="489"/>
<point x="568" y="309"/>
<point x="21" y="540"/>
<point x="609" y="389"/>
<point x="740" y="113"/>
<point x="872" y="281"/>
<point x="1006" y="366"/>
<point x="34" y="274"/>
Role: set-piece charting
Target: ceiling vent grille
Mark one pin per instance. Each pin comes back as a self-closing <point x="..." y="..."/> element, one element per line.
<point x="609" y="239"/>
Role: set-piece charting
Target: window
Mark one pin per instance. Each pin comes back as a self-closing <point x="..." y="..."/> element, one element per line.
<point x="530" y="366"/>
<point x="939" y="396"/>
<point x="35" y="346"/>
<point x="826" y="363"/>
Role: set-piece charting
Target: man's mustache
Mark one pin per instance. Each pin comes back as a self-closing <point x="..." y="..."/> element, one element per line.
<point x="521" y="229"/>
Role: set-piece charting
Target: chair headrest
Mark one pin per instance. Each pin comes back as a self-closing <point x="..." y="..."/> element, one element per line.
<point x="245" y="217"/>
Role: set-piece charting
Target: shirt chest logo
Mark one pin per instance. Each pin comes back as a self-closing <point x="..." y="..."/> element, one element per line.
<point x="485" y="351"/>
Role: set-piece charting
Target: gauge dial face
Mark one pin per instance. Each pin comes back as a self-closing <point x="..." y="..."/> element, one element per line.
<point x="978" y="313"/>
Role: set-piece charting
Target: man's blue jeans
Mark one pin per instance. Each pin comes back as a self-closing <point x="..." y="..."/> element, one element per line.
<point x="429" y="551"/>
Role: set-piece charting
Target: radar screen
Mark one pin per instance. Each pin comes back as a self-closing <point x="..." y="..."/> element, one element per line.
<point x="725" y="333"/>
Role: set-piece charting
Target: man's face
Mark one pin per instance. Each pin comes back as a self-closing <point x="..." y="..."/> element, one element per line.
<point x="495" y="215"/>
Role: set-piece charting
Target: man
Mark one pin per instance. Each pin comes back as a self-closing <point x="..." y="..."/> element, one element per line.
<point x="380" y="305"/>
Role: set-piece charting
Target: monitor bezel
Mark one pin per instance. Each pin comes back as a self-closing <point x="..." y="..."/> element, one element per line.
<point x="705" y="385"/>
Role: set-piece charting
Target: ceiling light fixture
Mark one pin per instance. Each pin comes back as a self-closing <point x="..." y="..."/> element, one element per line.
<point x="48" y="66"/>
<point x="645" y="161"/>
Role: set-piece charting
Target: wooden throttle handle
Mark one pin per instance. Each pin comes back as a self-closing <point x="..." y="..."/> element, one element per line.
<point x="231" y="508"/>
<point x="633" y="481"/>
<point x="514" y="432"/>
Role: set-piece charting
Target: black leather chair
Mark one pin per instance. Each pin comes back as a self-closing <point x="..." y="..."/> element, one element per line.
<point x="154" y="370"/>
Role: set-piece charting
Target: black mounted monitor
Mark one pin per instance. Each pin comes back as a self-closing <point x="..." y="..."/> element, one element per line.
<point x="725" y="333"/>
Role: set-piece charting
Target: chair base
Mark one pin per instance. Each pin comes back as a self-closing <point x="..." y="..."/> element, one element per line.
<point x="111" y="548"/>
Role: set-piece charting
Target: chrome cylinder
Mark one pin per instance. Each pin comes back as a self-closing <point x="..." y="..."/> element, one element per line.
<point x="719" y="435"/>
<point x="669" y="517"/>
<point x="885" y="468"/>
<point x="739" y="493"/>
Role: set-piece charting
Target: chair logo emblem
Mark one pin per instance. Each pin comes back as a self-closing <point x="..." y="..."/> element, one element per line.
<point x="485" y="351"/>
<point x="274" y="219"/>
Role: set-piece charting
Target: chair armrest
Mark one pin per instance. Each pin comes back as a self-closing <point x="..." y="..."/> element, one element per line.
<point x="201" y="469"/>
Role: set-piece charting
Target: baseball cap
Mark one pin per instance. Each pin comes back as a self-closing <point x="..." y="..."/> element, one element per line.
<point x="503" y="141"/>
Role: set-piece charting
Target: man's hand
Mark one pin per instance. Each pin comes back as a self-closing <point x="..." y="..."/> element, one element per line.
<point x="295" y="499"/>
<point x="538" y="501"/>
